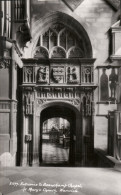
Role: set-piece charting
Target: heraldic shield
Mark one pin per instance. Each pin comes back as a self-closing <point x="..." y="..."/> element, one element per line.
<point x="58" y="74"/>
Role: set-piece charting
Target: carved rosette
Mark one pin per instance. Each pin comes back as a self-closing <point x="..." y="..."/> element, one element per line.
<point x="41" y="101"/>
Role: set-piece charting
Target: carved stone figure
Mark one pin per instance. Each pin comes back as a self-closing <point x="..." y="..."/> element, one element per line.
<point x="104" y="86"/>
<point x="72" y="75"/>
<point x="42" y="74"/>
<point x="113" y="78"/>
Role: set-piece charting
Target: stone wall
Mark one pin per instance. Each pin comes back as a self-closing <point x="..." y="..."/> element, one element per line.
<point x="96" y="17"/>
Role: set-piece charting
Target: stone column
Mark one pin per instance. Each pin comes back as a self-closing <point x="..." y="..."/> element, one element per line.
<point x="79" y="141"/>
<point x="92" y="135"/>
<point x="23" y="133"/>
<point x="13" y="111"/>
<point x="35" y="134"/>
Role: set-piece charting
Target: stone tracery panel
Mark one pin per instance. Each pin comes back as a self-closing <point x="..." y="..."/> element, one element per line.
<point x="87" y="74"/>
<point x="41" y="52"/>
<point x="75" y="52"/>
<point x="60" y="37"/>
<point x="58" y="52"/>
<point x="29" y="74"/>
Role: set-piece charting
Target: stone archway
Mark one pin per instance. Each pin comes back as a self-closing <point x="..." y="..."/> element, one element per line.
<point x="69" y="112"/>
<point x="66" y="111"/>
<point x="58" y="77"/>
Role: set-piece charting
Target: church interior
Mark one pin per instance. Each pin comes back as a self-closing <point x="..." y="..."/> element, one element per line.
<point x="60" y="83"/>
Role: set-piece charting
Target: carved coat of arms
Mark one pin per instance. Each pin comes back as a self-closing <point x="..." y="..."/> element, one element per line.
<point x="57" y="74"/>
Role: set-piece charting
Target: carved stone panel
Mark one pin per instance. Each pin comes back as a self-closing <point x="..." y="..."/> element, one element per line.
<point x="73" y="74"/>
<point x="28" y="103"/>
<point x="57" y="74"/>
<point x="43" y="75"/>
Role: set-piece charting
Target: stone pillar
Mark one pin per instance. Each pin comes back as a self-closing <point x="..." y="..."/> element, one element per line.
<point x="92" y="135"/>
<point x="35" y="135"/>
<point x="13" y="112"/>
<point x="79" y="140"/>
<point x="23" y="133"/>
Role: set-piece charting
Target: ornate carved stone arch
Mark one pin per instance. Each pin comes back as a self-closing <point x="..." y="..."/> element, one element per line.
<point x="67" y="21"/>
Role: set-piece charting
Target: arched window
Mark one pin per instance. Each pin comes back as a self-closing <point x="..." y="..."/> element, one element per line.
<point x="61" y="38"/>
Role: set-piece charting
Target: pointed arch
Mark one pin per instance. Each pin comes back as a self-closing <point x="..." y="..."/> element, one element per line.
<point x="67" y="21"/>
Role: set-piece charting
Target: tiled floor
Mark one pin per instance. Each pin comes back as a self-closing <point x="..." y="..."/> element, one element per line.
<point x="54" y="153"/>
<point x="77" y="181"/>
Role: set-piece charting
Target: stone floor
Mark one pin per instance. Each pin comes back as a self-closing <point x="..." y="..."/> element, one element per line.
<point x="60" y="181"/>
<point x="53" y="153"/>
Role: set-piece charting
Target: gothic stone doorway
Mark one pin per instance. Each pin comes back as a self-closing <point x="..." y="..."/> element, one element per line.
<point x="72" y="115"/>
<point x="58" y="75"/>
<point x="59" y="111"/>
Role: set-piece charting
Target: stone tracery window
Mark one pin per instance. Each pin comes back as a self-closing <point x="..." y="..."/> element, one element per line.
<point x="60" y="37"/>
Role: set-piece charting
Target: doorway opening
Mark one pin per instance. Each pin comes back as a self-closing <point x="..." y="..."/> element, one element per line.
<point x="55" y="141"/>
<point x="57" y="130"/>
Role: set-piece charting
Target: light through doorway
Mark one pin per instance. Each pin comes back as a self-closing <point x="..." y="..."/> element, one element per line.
<point x="55" y="141"/>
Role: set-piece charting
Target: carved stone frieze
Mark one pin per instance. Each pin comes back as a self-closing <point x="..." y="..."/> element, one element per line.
<point x="75" y="102"/>
<point x="27" y="88"/>
<point x="63" y="92"/>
